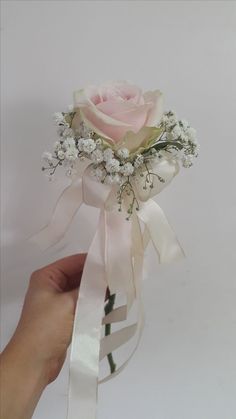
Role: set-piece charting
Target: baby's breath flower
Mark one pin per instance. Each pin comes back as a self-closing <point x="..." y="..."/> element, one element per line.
<point x="169" y="119"/>
<point x="123" y="153"/>
<point x="71" y="153"/>
<point x="86" y="145"/>
<point x="69" y="142"/>
<point x="80" y="144"/>
<point x="127" y="169"/>
<point x="191" y="134"/>
<point x="68" y="132"/>
<point x="113" y="165"/>
<point x="184" y="124"/>
<point x="176" y="132"/>
<point x="89" y="145"/>
<point x="57" y="146"/>
<point x="164" y="119"/>
<point x="60" y="154"/>
<point x="97" y="156"/>
<point x="187" y="161"/>
<point x="59" y="118"/>
<point x="108" y="154"/>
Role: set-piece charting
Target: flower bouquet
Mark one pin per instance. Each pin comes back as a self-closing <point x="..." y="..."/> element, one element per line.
<point x="120" y="149"/>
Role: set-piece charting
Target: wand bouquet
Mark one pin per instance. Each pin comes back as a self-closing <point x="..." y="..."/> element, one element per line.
<point x="120" y="149"/>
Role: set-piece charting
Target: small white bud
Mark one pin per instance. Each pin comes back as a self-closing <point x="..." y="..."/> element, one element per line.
<point x="61" y="155"/>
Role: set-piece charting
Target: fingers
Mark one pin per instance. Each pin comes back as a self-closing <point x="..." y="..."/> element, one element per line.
<point x="63" y="274"/>
<point x="70" y="265"/>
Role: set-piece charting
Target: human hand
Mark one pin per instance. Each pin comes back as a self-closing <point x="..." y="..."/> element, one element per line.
<point x="47" y="317"/>
<point x="35" y="354"/>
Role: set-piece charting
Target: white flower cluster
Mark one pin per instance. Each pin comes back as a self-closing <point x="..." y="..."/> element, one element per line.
<point x="180" y="140"/>
<point x="59" y="118"/>
<point x="65" y="149"/>
<point x="86" y="145"/>
<point x="117" y="166"/>
<point x="112" y="166"/>
<point x="109" y="166"/>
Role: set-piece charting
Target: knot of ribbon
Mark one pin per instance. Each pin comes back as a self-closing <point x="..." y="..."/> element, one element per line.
<point x="115" y="262"/>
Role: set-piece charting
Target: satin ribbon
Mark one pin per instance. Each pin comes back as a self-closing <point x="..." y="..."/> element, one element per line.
<point x="114" y="260"/>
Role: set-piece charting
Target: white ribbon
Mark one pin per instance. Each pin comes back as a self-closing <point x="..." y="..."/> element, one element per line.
<point x="114" y="261"/>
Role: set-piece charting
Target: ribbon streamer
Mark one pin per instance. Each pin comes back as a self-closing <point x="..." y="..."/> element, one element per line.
<point x="114" y="261"/>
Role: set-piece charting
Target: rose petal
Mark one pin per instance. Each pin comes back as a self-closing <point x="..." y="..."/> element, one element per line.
<point x="135" y="117"/>
<point x="130" y="92"/>
<point x="156" y="111"/>
<point x="114" y="106"/>
<point x="91" y="108"/>
<point x="109" y="131"/>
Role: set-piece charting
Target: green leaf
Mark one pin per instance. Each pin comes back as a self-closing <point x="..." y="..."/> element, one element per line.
<point x="163" y="144"/>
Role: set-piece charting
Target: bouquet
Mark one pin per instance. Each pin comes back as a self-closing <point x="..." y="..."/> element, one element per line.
<point x="124" y="134"/>
<point x="120" y="149"/>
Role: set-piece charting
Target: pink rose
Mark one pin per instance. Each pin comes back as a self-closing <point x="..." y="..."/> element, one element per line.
<point x="115" y="108"/>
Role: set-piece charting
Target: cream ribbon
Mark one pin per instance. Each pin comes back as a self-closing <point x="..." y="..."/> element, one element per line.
<point x="114" y="260"/>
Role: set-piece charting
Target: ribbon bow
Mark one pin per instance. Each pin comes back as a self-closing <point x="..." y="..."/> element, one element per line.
<point x="114" y="261"/>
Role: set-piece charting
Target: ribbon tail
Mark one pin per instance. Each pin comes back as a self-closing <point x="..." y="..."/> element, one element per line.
<point x="160" y="231"/>
<point x="85" y="348"/>
<point x="66" y="207"/>
<point x="118" y="256"/>
<point x="146" y="237"/>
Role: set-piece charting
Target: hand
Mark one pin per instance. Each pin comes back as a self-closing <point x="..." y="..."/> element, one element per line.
<point x="38" y="347"/>
<point x="48" y="313"/>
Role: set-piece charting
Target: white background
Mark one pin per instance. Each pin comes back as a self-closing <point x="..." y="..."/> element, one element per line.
<point x="185" y="367"/>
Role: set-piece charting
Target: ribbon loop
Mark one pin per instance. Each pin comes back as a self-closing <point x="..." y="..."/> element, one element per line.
<point x="66" y="207"/>
<point x="160" y="231"/>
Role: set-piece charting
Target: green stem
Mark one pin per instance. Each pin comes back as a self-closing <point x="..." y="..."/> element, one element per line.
<point x="108" y="308"/>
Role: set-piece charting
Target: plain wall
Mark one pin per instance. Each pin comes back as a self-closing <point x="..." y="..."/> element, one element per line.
<point x="185" y="367"/>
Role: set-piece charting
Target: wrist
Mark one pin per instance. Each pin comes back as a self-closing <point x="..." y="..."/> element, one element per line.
<point x="23" y="380"/>
<point x="28" y="357"/>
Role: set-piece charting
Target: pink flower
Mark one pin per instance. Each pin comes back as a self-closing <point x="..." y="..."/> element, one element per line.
<point x="115" y="108"/>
